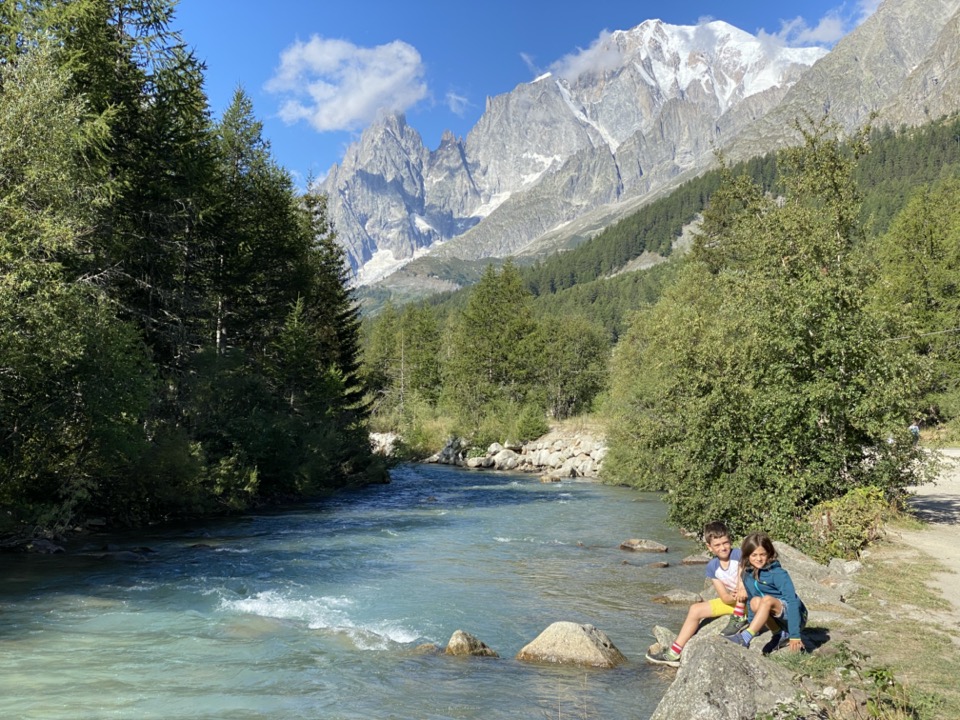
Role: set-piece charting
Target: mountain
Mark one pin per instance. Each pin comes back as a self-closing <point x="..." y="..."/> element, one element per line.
<point x="643" y="107"/>
<point x="890" y="65"/>
<point x="556" y="159"/>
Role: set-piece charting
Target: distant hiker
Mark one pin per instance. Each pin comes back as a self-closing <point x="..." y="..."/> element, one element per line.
<point x="724" y="571"/>
<point x="915" y="431"/>
<point x="770" y="594"/>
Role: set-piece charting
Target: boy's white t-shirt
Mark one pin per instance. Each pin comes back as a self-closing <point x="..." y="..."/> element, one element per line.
<point x="729" y="576"/>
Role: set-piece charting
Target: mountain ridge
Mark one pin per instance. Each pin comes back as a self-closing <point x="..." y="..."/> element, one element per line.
<point x="557" y="159"/>
<point x="550" y="149"/>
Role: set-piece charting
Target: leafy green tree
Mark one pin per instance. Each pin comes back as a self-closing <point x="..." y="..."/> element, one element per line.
<point x="124" y="59"/>
<point x="762" y="384"/>
<point x="919" y="269"/>
<point x="175" y="319"/>
<point x="572" y="365"/>
<point x="402" y="357"/>
<point x="276" y="403"/>
<point x="379" y="356"/>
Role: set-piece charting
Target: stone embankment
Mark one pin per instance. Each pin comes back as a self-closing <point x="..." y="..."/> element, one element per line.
<point x="555" y="456"/>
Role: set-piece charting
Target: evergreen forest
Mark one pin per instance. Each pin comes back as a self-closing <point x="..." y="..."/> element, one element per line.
<point x="176" y="334"/>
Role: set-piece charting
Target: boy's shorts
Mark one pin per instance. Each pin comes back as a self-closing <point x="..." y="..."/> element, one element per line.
<point x="718" y="607"/>
<point x="781" y="619"/>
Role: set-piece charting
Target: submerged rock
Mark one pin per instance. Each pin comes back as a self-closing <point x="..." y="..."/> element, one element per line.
<point x="463" y="643"/>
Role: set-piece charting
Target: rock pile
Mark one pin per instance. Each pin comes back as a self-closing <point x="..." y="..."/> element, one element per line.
<point x="555" y="456"/>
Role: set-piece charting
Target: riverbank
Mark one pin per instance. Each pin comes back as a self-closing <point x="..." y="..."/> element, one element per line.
<point x="882" y="641"/>
<point x="908" y="603"/>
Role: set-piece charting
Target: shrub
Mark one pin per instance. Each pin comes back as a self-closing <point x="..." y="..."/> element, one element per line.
<point x="844" y="526"/>
<point x="531" y="424"/>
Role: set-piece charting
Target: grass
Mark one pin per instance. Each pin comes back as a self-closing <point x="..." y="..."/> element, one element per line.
<point x="907" y="658"/>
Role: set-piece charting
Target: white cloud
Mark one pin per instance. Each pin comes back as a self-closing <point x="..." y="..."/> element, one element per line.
<point x="457" y="104"/>
<point x="866" y="8"/>
<point x="602" y="55"/>
<point x="828" y="30"/>
<point x="531" y="65"/>
<point x="336" y="85"/>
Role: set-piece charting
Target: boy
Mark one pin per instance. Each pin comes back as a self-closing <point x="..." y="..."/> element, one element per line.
<point x="724" y="571"/>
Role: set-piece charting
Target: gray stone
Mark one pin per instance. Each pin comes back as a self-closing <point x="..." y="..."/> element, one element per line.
<point x="506" y="460"/>
<point x="718" y="680"/>
<point x="482" y="461"/>
<point x="463" y="643"/>
<point x="572" y="643"/>
<point x="814" y="582"/>
<point x="838" y="566"/>
<point x="664" y="637"/>
<point x="639" y="545"/>
<point x="44" y="547"/>
<point x="677" y="597"/>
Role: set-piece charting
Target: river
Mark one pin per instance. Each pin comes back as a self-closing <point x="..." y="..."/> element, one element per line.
<point x="315" y="612"/>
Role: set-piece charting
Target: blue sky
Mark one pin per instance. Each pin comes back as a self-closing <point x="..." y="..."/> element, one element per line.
<point x="319" y="71"/>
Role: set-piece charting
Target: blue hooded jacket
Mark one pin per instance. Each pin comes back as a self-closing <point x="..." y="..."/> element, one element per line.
<point x="774" y="581"/>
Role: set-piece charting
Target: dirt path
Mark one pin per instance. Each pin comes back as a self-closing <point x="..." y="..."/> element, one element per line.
<point x="939" y="505"/>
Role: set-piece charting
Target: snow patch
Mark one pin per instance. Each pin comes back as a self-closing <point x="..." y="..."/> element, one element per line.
<point x="582" y="117"/>
<point x="492" y="204"/>
<point x="384" y="263"/>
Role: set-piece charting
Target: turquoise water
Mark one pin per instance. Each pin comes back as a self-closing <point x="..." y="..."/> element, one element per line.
<point x="315" y="612"/>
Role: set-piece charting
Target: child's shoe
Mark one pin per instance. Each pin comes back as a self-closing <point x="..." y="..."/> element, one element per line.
<point x="734" y="625"/>
<point x="664" y="657"/>
<point x="739" y="639"/>
<point x="779" y="641"/>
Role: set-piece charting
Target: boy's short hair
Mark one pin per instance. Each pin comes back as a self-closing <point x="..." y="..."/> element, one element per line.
<point x="714" y="530"/>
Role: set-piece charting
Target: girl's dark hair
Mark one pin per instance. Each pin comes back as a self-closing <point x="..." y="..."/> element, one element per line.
<point x="750" y="543"/>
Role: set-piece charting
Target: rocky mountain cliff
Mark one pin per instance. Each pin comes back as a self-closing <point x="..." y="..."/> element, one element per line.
<point x="891" y="65"/>
<point x="569" y="153"/>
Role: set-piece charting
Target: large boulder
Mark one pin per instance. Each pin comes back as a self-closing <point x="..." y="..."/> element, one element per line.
<point x="817" y="585"/>
<point x="718" y="680"/>
<point x="463" y="643"/>
<point x="506" y="460"/>
<point x="572" y="643"/>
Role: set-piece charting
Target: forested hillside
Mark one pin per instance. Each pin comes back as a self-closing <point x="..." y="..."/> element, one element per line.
<point x="816" y="316"/>
<point x="175" y="333"/>
<point x="589" y="280"/>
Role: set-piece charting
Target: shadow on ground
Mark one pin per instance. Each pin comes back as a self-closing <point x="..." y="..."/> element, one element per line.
<point x="943" y="509"/>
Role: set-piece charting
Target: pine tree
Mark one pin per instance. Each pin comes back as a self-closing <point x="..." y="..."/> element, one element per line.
<point x="75" y="380"/>
<point x="919" y="262"/>
<point x="490" y="358"/>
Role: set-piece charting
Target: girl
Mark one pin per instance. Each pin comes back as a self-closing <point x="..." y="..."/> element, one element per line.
<point x="770" y="594"/>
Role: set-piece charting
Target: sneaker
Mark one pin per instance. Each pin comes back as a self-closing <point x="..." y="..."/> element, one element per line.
<point x="779" y="641"/>
<point x="664" y="657"/>
<point x="738" y="639"/>
<point x="734" y="625"/>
